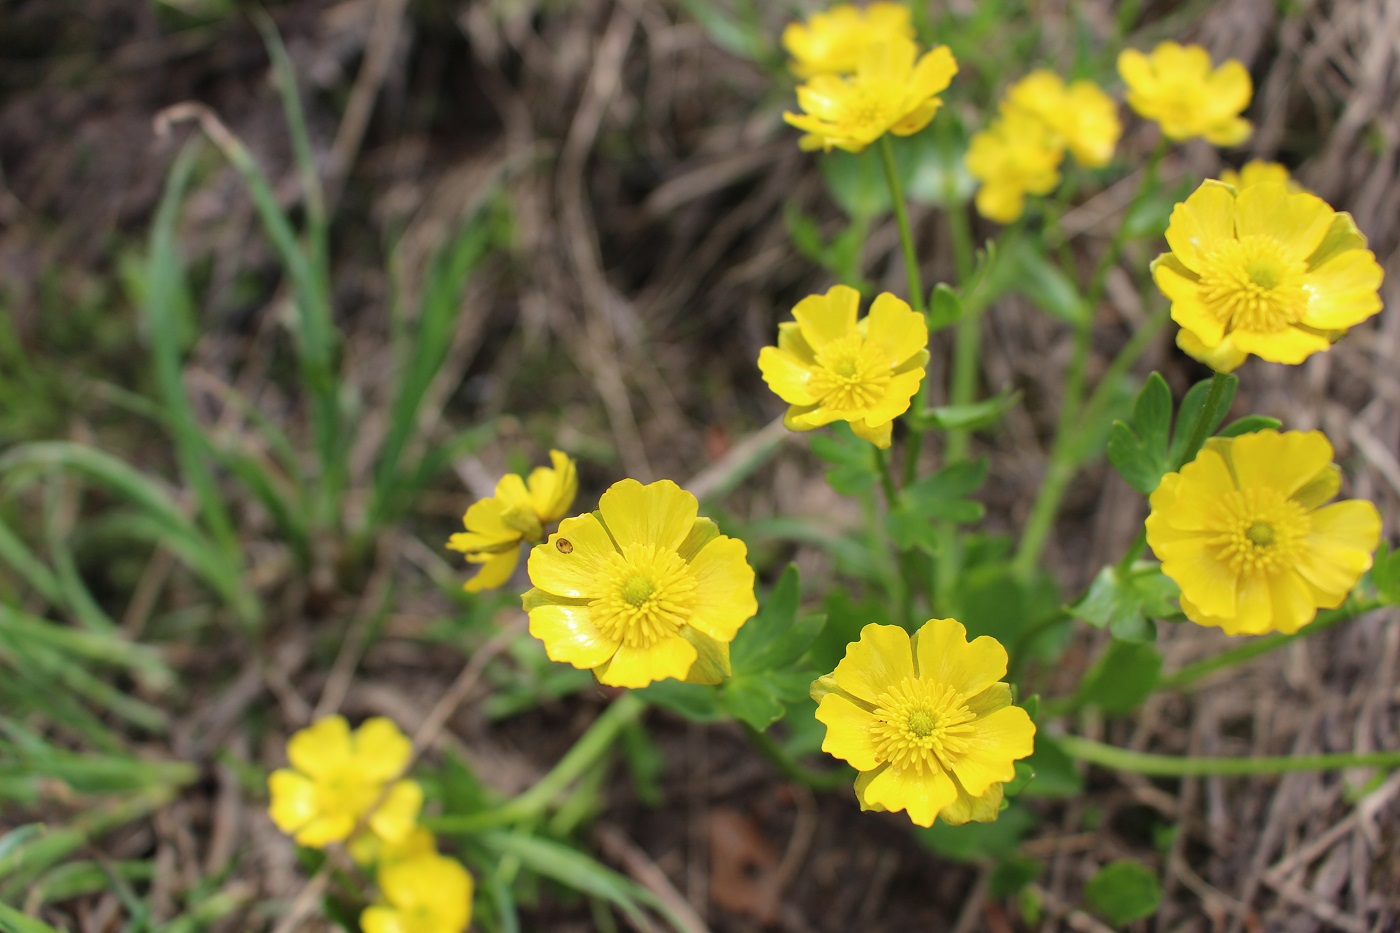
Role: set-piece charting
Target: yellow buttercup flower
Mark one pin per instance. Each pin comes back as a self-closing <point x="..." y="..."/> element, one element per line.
<point x="642" y="589"/>
<point x="367" y="848"/>
<point x="894" y="90"/>
<point x="830" y="367"/>
<point x="339" y="778"/>
<point x="1258" y="172"/>
<point x="1177" y="87"/>
<point x="428" y="893"/>
<point x="831" y="42"/>
<point x="926" y="721"/>
<point x="1264" y="271"/>
<point x="517" y="512"/>
<point x="1015" y="156"/>
<point x="1080" y="115"/>
<point x="1244" y="532"/>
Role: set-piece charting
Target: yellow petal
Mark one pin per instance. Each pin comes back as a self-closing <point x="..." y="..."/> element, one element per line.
<point x="1000" y="202"/>
<point x="711" y="658"/>
<point x="1298" y="221"/>
<point x="397" y="816"/>
<point x="1344" y="291"/>
<point x="325" y="829"/>
<point x="921" y="795"/>
<point x="383" y="919"/>
<point x="1229" y="132"/>
<point x="1202" y="575"/>
<point x="552" y="489"/>
<point x="1342" y="237"/>
<point x="998" y="740"/>
<point x="637" y="667"/>
<point x="790" y="340"/>
<point x="659" y="514"/>
<point x="1254" y="610"/>
<point x="293" y="802"/>
<point x="1284" y="461"/>
<point x="573" y="568"/>
<point x="1201" y="223"/>
<point x="1291" y="601"/>
<point x="897" y="329"/>
<point x="824" y="318"/>
<point x="848" y="734"/>
<point x="1320" y="488"/>
<point x="1289" y="345"/>
<point x="934" y="72"/>
<point x="570" y="636"/>
<point x="788" y="377"/>
<point x="995" y="697"/>
<point x="1230" y="88"/>
<point x="879" y="435"/>
<point x="431" y="888"/>
<point x="1224" y="357"/>
<point x="322" y="748"/>
<point x="1134" y="68"/>
<point x="899" y="394"/>
<point x="1339" y="547"/>
<point x="381" y="750"/>
<point x="1204" y="482"/>
<point x="969" y="809"/>
<point x="724" y="597"/>
<point x="496" y="570"/>
<point x="943" y="655"/>
<point x="882" y="658"/>
<point x="486" y="528"/>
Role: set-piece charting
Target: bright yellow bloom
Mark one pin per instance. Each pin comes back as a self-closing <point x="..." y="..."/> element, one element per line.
<point x="831" y="42"/>
<point x="1081" y="116"/>
<point x="642" y="589"/>
<point x="1015" y="156"/>
<point x="428" y="893"/>
<point x="1266" y="271"/>
<point x="894" y="90"/>
<point x="1176" y="87"/>
<point x="1258" y="172"/>
<point x="830" y="367"/>
<point x="367" y="848"/>
<point x="339" y="778"/>
<point x="1243" y="531"/>
<point x="925" y="721"/>
<point x="517" y="512"/>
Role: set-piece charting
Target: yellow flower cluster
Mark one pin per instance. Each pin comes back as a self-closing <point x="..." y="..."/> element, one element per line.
<point x="1039" y="119"/>
<point x="833" y="42"/>
<point x="345" y="787"/>
<point x="828" y="366"/>
<point x="1176" y="87"/>
<point x="1258" y="172"/>
<point x="519" y="510"/>
<point x="1244" y="531"/>
<point x="1264" y="271"/>
<point x="926" y="721"/>
<point x="641" y="590"/>
<point x="893" y="89"/>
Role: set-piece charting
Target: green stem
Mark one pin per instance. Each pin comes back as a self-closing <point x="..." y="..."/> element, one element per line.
<point x="1122" y="759"/>
<point x="1188" y="676"/>
<point x="1130" y="556"/>
<point x="967" y="338"/>
<point x="587" y="751"/>
<point x="908" y="571"/>
<point x="1218" y="384"/>
<point x="901" y="219"/>
<point x="792" y="769"/>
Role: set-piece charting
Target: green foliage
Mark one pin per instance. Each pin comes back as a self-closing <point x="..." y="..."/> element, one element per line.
<point x="1385" y="574"/>
<point x="934" y="500"/>
<point x="1043" y="283"/>
<point x="1125" y="601"/>
<point x="971" y="417"/>
<point x="1122" y="678"/>
<point x="1146" y="448"/>
<point x="1055" y="773"/>
<point x="980" y="843"/>
<point x="853" y="470"/>
<point x="1124" y="891"/>
<point x="945" y="307"/>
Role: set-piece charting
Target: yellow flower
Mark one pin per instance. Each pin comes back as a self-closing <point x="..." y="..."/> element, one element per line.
<point x="367" y="848"/>
<point x="1258" y="172"/>
<point x="1176" y="87"/>
<point x="428" y="893"/>
<point x="338" y="778"/>
<point x="830" y="367"/>
<point x="1081" y="116"/>
<point x="517" y="512"/>
<point x="1243" y="531"/>
<point x="1015" y="156"/>
<point x="832" y="42"/>
<point x="1266" y="271"/>
<point x="925" y="721"/>
<point x="894" y="90"/>
<point x="642" y="589"/>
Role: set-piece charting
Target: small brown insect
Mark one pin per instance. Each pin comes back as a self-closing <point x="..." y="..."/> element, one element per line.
<point x="564" y="545"/>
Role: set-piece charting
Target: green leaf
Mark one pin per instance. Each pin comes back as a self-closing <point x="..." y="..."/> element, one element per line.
<point x="1248" y="425"/>
<point x="695" y="702"/>
<point x="945" y="308"/>
<point x="1012" y="874"/>
<point x="934" y="499"/>
<point x="1056" y="774"/>
<point x="1124" y="675"/>
<point x="762" y="699"/>
<point x="1385" y="574"/>
<point x="1190" y="410"/>
<point x="972" y="416"/>
<point x="12" y="921"/>
<point x="980" y="842"/>
<point x="853" y="465"/>
<point x="1152" y="417"/>
<point x="1125" y="605"/>
<point x="1042" y="283"/>
<point x="1124" y="891"/>
<point x="1130" y="458"/>
<point x="856" y="182"/>
<point x="763" y="641"/>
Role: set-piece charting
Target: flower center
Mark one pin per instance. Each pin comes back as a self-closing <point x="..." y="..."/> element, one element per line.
<point x="871" y="107"/>
<point x="1251" y="284"/>
<point x="922" y="725"/>
<point x="645" y="594"/>
<point x="851" y="375"/>
<point x="1261" y="530"/>
<point x="347" y="792"/>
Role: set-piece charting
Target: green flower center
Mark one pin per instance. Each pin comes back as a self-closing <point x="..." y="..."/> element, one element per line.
<point x="1260" y="534"/>
<point x="1261" y="530"/>
<point x="922" y="723"/>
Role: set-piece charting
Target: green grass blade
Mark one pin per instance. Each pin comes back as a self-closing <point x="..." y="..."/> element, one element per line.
<point x="12" y="921"/>
<point x="27" y="567"/>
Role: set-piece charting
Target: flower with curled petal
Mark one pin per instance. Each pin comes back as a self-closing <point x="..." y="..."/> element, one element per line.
<point x="518" y="512"/>
<point x="828" y="366"/>
<point x="894" y="90"/>
<point x="1265" y="271"/>
<point x="831" y="42"/>
<point x="1177" y="87"/>
<point x="339" y="779"/>
<point x="926" y="721"/>
<point x="1245" y="532"/>
<point x="641" y="590"/>
<point x="426" y="893"/>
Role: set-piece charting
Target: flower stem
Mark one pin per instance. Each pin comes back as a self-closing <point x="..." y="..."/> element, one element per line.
<point x="901" y="219"/>
<point x="1218" y="384"/>
<point x="792" y="769"/>
<point x="1122" y="759"/>
<point x="586" y="752"/>
<point x="1187" y="677"/>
